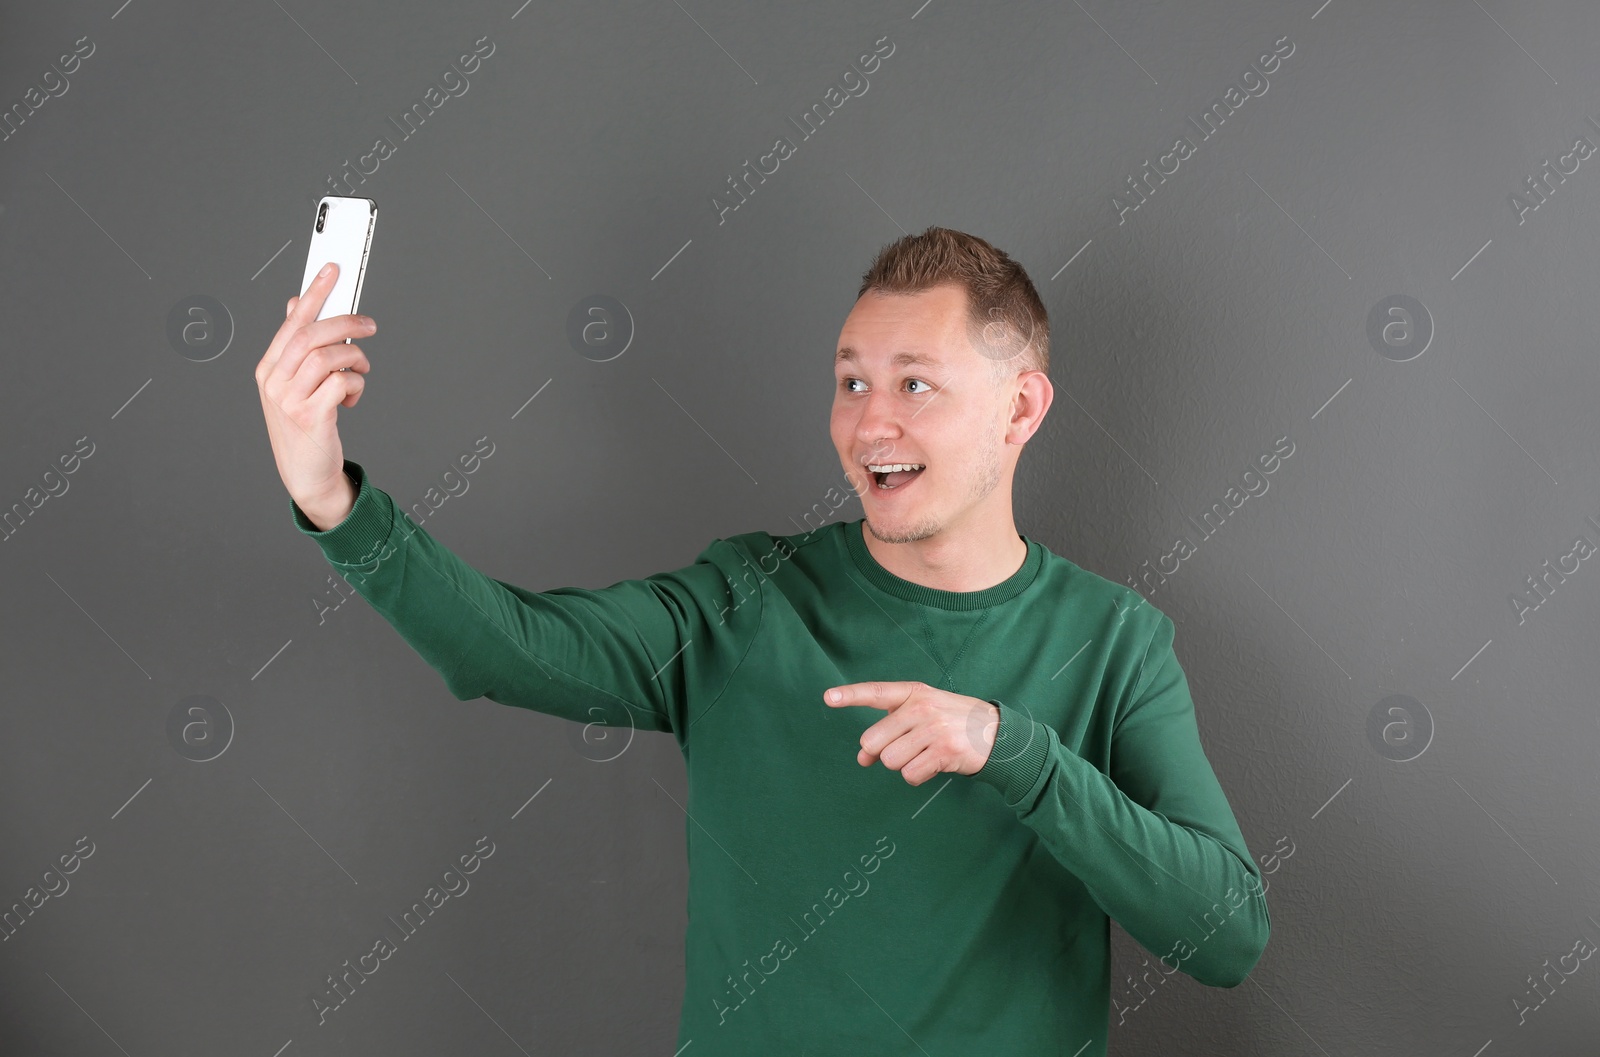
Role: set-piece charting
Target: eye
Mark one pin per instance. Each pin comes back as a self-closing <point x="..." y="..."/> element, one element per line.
<point x="846" y="382"/>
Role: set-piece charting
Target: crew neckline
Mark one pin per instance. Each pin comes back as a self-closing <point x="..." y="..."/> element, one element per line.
<point x="887" y="581"/>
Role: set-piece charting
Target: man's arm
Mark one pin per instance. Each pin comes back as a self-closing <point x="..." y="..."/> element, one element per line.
<point x="626" y="655"/>
<point x="1155" y="841"/>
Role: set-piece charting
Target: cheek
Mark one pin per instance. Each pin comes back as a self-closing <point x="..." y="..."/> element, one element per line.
<point x="839" y="428"/>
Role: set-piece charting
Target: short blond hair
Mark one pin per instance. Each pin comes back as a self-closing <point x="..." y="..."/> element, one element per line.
<point x="1006" y="320"/>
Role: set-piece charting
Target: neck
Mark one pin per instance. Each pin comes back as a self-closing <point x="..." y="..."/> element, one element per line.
<point x="954" y="558"/>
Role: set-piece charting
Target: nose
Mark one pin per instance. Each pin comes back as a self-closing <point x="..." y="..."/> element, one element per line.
<point x="879" y="421"/>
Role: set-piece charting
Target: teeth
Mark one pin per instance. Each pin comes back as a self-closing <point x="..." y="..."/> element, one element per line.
<point x="893" y="466"/>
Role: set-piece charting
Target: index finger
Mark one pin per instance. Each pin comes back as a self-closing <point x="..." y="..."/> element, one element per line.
<point x="887" y="696"/>
<point x="315" y="294"/>
<point x="303" y="309"/>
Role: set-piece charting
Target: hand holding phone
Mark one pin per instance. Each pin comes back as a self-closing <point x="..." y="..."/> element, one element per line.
<point x="341" y="233"/>
<point x="311" y="367"/>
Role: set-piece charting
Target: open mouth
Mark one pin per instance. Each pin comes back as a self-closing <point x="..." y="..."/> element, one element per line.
<point x="902" y="474"/>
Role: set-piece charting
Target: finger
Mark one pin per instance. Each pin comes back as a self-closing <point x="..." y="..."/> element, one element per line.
<point x="333" y="391"/>
<point x="314" y="370"/>
<point x="326" y="339"/>
<point x="336" y="354"/>
<point x="905" y="748"/>
<point x="316" y="292"/>
<point x="886" y="695"/>
<point x="303" y="309"/>
<point x="876" y="738"/>
<point x="923" y="767"/>
<point x="357" y="384"/>
<point x="352" y="357"/>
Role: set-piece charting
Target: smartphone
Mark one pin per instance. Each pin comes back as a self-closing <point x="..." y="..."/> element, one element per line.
<point x="341" y="232"/>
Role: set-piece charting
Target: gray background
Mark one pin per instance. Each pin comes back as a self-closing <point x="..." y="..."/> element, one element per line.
<point x="1429" y="480"/>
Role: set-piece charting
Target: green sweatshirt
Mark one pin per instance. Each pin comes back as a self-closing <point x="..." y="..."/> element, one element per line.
<point x="835" y="909"/>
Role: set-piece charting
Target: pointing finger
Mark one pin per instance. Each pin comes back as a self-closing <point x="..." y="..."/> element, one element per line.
<point x="885" y="695"/>
<point x="316" y="292"/>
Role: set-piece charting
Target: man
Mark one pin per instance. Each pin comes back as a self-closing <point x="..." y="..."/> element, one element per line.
<point x="1041" y="769"/>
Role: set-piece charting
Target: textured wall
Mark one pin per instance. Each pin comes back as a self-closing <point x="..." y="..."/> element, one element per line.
<point x="1373" y="271"/>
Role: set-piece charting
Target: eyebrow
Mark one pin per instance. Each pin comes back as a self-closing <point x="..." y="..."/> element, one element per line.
<point x="900" y="359"/>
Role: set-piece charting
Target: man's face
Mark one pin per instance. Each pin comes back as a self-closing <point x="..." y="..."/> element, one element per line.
<point x="942" y="412"/>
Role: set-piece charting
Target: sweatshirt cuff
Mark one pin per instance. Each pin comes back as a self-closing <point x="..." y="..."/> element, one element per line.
<point x="1021" y="748"/>
<point x="363" y="532"/>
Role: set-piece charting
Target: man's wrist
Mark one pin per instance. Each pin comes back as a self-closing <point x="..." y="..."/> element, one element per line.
<point x="1021" y="748"/>
<point x="329" y="512"/>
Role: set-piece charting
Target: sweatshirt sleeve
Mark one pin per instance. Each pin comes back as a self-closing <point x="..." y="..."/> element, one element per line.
<point x="647" y="654"/>
<point x="1154" y="841"/>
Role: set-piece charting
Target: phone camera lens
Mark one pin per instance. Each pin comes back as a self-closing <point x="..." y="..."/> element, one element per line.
<point x="322" y="215"/>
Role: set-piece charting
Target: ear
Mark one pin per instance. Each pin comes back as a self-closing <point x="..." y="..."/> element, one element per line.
<point x="1031" y="399"/>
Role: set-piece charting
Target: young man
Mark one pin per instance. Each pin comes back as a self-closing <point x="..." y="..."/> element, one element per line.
<point x="929" y="760"/>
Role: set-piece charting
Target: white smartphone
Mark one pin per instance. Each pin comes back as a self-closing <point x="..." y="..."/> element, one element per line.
<point x="341" y="232"/>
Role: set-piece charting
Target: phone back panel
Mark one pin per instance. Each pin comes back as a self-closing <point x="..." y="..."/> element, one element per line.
<point x="345" y="239"/>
